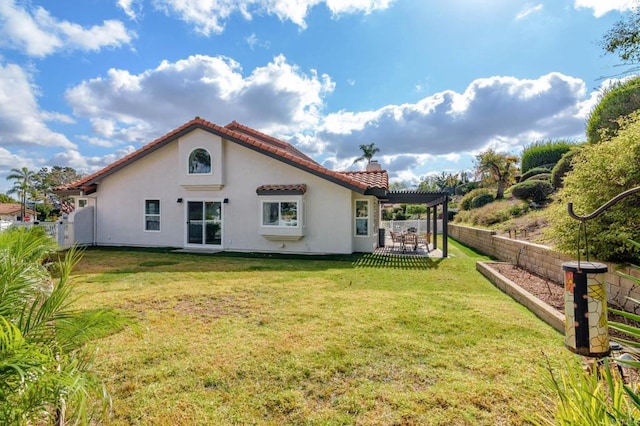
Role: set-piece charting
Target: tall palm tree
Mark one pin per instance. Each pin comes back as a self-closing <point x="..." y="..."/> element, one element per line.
<point x="368" y="151"/>
<point x="23" y="182"/>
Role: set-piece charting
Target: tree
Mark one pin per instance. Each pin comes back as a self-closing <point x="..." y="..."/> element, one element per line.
<point x="368" y="151"/>
<point x="614" y="102"/>
<point x="497" y="168"/>
<point x="45" y="181"/>
<point x="599" y="173"/>
<point x="624" y="38"/>
<point x="23" y="182"/>
<point x="45" y="375"/>
<point x="4" y="198"/>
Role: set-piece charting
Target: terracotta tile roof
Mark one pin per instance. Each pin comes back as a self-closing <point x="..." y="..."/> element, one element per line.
<point x="249" y="138"/>
<point x="373" y="179"/>
<point x="234" y="125"/>
<point x="13" y="208"/>
<point x="300" y="188"/>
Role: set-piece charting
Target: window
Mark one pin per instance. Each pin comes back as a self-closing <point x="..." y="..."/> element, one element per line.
<point x="280" y="213"/>
<point x="82" y="202"/>
<point x="152" y="215"/>
<point x="199" y="161"/>
<point x="362" y="217"/>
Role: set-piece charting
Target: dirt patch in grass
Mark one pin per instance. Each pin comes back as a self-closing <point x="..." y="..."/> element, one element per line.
<point x="215" y="307"/>
<point x="198" y="307"/>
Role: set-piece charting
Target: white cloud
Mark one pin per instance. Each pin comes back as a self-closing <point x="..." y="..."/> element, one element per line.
<point x="86" y="165"/>
<point x="501" y="112"/>
<point x="209" y="16"/>
<point x="22" y="123"/>
<point x="602" y="7"/>
<point x="275" y="98"/>
<point x="528" y="10"/>
<point x="130" y="7"/>
<point x="37" y="33"/>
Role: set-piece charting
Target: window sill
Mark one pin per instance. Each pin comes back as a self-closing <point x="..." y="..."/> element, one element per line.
<point x="283" y="237"/>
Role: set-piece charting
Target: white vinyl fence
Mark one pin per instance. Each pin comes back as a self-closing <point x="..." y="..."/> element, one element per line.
<point x="403" y="225"/>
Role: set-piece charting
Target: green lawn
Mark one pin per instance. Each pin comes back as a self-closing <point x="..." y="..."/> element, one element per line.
<point x="233" y="340"/>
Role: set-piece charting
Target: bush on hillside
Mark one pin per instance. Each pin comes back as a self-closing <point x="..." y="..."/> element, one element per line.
<point x="601" y="172"/>
<point x="466" y="188"/>
<point x="541" y="176"/>
<point x="543" y="154"/>
<point x="493" y="213"/>
<point x="616" y="102"/>
<point x="533" y="172"/>
<point x="563" y="167"/>
<point x="532" y="190"/>
<point x="466" y="201"/>
<point x="481" y="200"/>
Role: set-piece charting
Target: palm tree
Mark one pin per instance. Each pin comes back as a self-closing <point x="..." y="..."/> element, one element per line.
<point x="23" y="181"/>
<point x="368" y="151"/>
<point x="44" y="360"/>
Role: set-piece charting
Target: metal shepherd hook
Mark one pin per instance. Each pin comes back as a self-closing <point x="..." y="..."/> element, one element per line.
<point x="595" y="214"/>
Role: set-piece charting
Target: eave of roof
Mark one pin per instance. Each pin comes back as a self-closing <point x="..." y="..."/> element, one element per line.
<point x="244" y="136"/>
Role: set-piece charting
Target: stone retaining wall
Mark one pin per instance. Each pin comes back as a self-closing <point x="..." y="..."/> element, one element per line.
<point x="546" y="262"/>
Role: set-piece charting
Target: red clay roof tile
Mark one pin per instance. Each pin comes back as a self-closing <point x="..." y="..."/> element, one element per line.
<point x="253" y="139"/>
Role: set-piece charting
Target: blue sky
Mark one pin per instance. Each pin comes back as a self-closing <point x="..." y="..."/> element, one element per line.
<point x="431" y="83"/>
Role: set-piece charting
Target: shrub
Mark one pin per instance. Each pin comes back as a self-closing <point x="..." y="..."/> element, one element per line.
<point x="466" y="188"/>
<point x="600" y="172"/>
<point x="543" y="154"/>
<point x="490" y="214"/>
<point x="618" y="101"/>
<point x="465" y="202"/>
<point x="532" y="190"/>
<point x="562" y="167"/>
<point x="481" y="200"/>
<point x="533" y="172"/>
<point x="541" y="176"/>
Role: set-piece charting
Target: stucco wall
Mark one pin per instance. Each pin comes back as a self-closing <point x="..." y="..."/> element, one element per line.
<point x="546" y="262"/>
<point x="327" y="207"/>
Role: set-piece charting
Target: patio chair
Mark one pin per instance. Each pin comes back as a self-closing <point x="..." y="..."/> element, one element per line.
<point x="424" y="240"/>
<point x="411" y="241"/>
<point x="397" y="238"/>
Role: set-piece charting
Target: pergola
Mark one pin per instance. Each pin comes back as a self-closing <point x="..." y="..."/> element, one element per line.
<point x="432" y="200"/>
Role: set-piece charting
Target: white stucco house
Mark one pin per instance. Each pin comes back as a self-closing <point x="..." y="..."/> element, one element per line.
<point x="12" y="212"/>
<point x="210" y="187"/>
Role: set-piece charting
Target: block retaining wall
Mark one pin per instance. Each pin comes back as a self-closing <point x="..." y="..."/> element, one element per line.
<point x="546" y="262"/>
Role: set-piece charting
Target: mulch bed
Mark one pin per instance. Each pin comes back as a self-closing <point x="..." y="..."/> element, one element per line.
<point x="548" y="291"/>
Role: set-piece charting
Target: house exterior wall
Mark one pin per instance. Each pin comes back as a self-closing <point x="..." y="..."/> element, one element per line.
<point x="327" y="209"/>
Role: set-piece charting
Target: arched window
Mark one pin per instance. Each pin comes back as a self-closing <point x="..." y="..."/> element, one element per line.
<point x="199" y="161"/>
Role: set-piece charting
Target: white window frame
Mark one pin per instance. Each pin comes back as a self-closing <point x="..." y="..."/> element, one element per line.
<point x="210" y="172"/>
<point x="145" y="215"/>
<point x="356" y="217"/>
<point x="280" y="201"/>
<point x="83" y="200"/>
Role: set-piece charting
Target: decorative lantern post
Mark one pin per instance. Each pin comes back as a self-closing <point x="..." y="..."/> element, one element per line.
<point x="586" y="330"/>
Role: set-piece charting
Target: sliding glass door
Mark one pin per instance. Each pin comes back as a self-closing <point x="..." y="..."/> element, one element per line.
<point x="204" y="223"/>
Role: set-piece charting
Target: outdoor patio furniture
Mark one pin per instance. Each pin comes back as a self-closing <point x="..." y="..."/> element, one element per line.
<point x="397" y="238"/>
<point x="424" y="240"/>
<point x="411" y="241"/>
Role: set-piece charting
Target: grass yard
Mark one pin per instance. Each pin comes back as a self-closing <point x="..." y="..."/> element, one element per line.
<point x="274" y="341"/>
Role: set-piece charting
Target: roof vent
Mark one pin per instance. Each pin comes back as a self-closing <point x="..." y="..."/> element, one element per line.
<point x="374" y="166"/>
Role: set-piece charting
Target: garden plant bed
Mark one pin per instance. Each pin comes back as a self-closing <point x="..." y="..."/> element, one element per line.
<point x="548" y="291"/>
<point x="544" y="289"/>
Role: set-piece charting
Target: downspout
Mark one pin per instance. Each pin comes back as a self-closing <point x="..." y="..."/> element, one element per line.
<point x="95" y="222"/>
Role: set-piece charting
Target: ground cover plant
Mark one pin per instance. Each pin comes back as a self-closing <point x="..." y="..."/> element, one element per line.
<point x="367" y="340"/>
